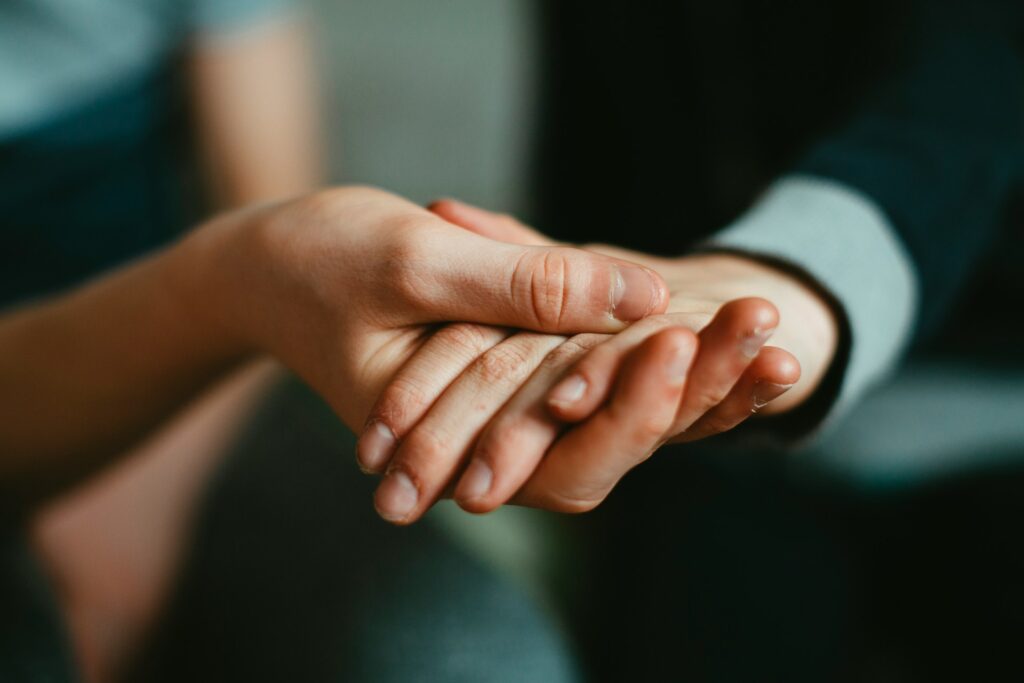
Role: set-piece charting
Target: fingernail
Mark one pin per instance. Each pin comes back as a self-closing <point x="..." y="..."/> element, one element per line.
<point x="396" y="496"/>
<point x="375" y="447"/>
<point x="633" y="293"/>
<point x="765" y="393"/>
<point x="751" y="344"/>
<point x="679" y="366"/>
<point x="568" y="391"/>
<point x="476" y="481"/>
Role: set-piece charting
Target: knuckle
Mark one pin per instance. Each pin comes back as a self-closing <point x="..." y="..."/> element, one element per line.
<point x="425" y="450"/>
<point x="401" y="400"/>
<point x="564" y="354"/>
<point x="500" y="363"/>
<point x="711" y="398"/>
<point x="650" y="429"/>
<point x="592" y="358"/>
<point x="406" y="261"/>
<point x="465" y="336"/>
<point x="589" y="340"/>
<point x="717" y="424"/>
<point x="540" y="281"/>
<point x="332" y="203"/>
<point x="504" y="437"/>
<point x="324" y="204"/>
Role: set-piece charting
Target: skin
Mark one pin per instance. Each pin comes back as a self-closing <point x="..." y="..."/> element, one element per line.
<point x="112" y="545"/>
<point x="566" y="420"/>
<point x="164" y="356"/>
<point x="342" y="286"/>
<point x="253" y="103"/>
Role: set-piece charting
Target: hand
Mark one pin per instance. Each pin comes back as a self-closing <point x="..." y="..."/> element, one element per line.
<point x="344" y="285"/>
<point x="726" y="382"/>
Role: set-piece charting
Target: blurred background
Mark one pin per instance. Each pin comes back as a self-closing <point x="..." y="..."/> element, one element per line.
<point x="440" y="99"/>
<point x="860" y="553"/>
<point x="429" y="99"/>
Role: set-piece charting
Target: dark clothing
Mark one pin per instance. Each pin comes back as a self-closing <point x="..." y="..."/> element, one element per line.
<point x="661" y="124"/>
<point x="675" y="115"/>
<point x="92" y="188"/>
<point x="80" y="194"/>
<point x="751" y="575"/>
<point x="33" y="643"/>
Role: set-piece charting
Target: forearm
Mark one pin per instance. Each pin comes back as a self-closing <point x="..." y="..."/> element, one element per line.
<point x="84" y="375"/>
<point x="255" y="106"/>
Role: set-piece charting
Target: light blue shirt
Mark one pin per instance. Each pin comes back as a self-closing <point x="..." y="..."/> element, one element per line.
<point x="56" y="54"/>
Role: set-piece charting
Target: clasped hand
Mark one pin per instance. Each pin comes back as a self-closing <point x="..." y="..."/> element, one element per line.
<point x="492" y="415"/>
<point x="568" y="368"/>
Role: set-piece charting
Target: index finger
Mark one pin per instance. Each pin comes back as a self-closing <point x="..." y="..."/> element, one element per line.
<point x="589" y="460"/>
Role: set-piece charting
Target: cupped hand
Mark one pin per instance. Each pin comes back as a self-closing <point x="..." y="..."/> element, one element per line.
<point x="629" y="393"/>
<point x="345" y="285"/>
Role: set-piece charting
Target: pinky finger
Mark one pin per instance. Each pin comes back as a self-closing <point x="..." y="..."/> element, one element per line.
<point x="768" y="376"/>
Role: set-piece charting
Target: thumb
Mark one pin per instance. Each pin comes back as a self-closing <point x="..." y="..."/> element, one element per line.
<point x="497" y="226"/>
<point x="469" y="278"/>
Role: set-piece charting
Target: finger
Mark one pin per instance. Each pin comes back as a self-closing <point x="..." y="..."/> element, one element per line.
<point x="769" y="376"/>
<point x="515" y="441"/>
<point x="455" y="275"/>
<point x="418" y="383"/>
<point x="496" y="226"/>
<point x="589" y="460"/>
<point x="587" y="385"/>
<point x="431" y="453"/>
<point x="727" y="346"/>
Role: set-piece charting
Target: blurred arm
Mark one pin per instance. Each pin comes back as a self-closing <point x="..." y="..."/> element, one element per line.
<point x="253" y="95"/>
<point x="85" y="375"/>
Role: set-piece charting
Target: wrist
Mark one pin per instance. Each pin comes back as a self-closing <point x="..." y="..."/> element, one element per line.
<point x="206" y="289"/>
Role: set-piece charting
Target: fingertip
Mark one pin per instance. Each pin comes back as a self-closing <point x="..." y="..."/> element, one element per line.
<point x="566" y="399"/>
<point x="777" y="366"/>
<point x="681" y="339"/>
<point x="445" y="207"/>
<point x="396" y="498"/>
<point x="474" y="486"/>
<point x="751" y="314"/>
<point x="375" y="447"/>
<point x="763" y="313"/>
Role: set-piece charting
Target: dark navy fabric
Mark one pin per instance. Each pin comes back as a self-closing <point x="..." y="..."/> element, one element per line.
<point x="940" y="148"/>
<point x="33" y="644"/>
<point x="676" y="115"/>
<point x="91" y="188"/>
<point x="87" y="190"/>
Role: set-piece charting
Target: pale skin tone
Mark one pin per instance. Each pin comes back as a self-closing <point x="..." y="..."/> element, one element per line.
<point x="342" y="286"/>
<point x="568" y="417"/>
<point x="111" y="546"/>
<point x="203" y="375"/>
<point x="179" y="335"/>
